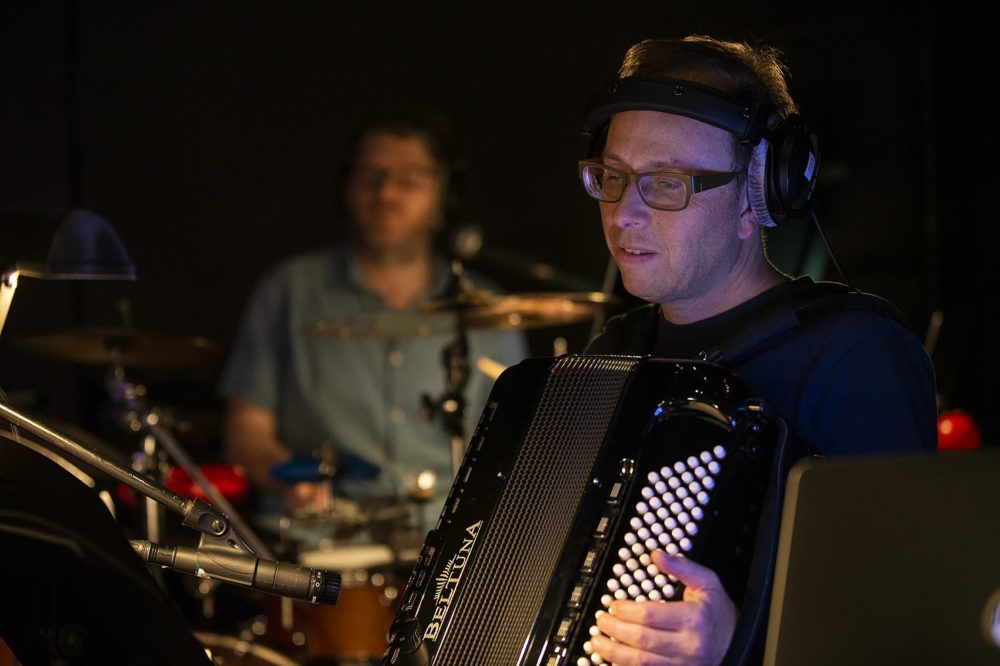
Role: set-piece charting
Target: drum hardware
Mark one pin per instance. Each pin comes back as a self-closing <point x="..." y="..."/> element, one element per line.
<point x="148" y="420"/>
<point x="420" y="487"/>
<point x="141" y="418"/>
<point x="343" y="516"/>
<point x="225" y="650"/>
<point x="450" y="406"/>
<point x="314" y="469"/>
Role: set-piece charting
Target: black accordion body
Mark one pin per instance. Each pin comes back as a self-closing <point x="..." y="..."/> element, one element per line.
<point x="579" y="468"/>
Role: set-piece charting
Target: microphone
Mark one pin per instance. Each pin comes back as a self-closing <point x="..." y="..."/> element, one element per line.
<point x="246" y="569"/>
<point x="467" y="244"/>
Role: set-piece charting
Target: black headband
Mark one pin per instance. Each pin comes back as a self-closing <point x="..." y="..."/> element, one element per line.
<point x="748" y="122"/>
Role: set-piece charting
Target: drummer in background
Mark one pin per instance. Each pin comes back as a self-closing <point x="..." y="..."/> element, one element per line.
<point x="288" y="394"/>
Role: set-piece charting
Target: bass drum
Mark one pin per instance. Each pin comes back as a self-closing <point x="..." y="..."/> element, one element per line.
<point x="352" y="632"/>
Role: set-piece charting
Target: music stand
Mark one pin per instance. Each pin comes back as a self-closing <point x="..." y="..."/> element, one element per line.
<point x="889" y="560"/>
<point x="72" y="590"/>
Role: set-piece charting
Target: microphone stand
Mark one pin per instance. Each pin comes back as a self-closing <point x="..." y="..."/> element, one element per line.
<point x="215" y="527"/>
<point x="222" y="551"/>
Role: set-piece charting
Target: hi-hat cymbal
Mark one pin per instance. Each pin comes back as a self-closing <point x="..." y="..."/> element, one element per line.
<point x="477" y="311"/>
<point x="96" y="345"/>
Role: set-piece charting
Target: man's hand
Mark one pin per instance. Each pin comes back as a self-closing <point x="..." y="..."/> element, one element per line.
<point x="695" y="631"/>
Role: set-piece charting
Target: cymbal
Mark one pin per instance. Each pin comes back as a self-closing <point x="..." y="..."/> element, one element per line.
<point x="96" y="345"/>
<point x="476" y="310"/>
<point x="308" y="468"/>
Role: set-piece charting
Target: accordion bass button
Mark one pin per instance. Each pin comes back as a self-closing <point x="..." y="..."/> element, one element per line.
<point x="407" y="637"/>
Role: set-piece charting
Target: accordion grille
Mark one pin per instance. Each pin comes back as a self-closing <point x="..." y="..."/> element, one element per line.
<point x="521" y="548"/>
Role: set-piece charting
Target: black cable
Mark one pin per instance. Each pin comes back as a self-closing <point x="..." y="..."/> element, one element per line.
<point x="829" y="250"/>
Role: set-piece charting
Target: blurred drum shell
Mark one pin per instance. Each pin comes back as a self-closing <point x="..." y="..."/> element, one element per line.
<point x="354" y="630"/>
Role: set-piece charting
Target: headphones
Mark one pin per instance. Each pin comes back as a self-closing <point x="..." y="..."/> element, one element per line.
<point x="784" y="163"/>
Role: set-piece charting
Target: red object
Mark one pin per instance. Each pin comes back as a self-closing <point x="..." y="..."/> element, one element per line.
<point x="230" y="481"/>
<point x="958" y="431"/>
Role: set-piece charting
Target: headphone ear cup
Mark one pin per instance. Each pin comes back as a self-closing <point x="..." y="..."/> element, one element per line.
<point x="757" y="184"/>
<point x="791" y="170"/>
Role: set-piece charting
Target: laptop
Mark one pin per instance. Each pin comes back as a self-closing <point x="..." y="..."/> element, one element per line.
<point x="889" y="560"/>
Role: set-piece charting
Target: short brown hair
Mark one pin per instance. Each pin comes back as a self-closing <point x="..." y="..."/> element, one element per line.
<point x="752" y="74"/>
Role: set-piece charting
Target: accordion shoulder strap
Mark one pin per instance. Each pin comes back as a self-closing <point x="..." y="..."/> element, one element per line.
<point x="634" y="332"/>
<point x="809" y="302"/>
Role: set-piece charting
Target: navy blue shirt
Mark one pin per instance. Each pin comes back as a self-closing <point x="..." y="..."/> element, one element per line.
<point x="851" y="381"/>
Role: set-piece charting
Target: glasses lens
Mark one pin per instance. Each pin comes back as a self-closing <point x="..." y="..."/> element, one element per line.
<point x="602" y="183"/>
<point x="407" y="177"/>
<point x="664" y="191"/>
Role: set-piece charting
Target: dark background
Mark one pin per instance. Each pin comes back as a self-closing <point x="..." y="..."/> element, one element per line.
<point x="208" y="133"/>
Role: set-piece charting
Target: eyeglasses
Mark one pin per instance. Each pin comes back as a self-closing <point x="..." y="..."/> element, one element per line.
<point x="662" y="190"/>
<point x="409" y="177"/>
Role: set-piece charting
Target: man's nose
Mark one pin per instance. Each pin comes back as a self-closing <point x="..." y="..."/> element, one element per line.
<point x="386" y="188"/>
<point x="631" y="210"/>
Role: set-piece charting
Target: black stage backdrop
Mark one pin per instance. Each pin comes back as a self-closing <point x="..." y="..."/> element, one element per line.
<point x="209" y="133"/>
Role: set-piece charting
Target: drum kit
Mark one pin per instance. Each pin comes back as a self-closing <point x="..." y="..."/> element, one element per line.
<point x="373" y="546"/>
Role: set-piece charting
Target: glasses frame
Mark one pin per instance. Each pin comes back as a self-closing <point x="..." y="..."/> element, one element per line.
<point x="694" y="181"/>
<point x="376" y="178"/>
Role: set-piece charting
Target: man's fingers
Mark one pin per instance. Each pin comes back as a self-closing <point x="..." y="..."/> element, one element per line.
<point x="693" y="575"/>
<point x="621" y="654"/>
<point x="666" y="615"/>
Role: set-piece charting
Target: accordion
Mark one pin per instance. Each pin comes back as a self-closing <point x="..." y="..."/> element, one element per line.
<point x="579" y="468"/>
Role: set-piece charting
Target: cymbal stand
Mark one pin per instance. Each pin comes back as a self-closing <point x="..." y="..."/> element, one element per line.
<point x="142" y="418"/>
<point x="450" y="407"/>
<point x="139" y="417"/>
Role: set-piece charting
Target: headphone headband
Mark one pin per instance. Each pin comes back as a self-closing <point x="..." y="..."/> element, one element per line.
<point x="748" y="122"/>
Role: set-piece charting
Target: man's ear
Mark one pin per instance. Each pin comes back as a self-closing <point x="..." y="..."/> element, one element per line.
<point x="748" y="222"/>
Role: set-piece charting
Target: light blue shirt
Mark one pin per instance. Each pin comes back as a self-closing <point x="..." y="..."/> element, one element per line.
<point x="363" y="396"/>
